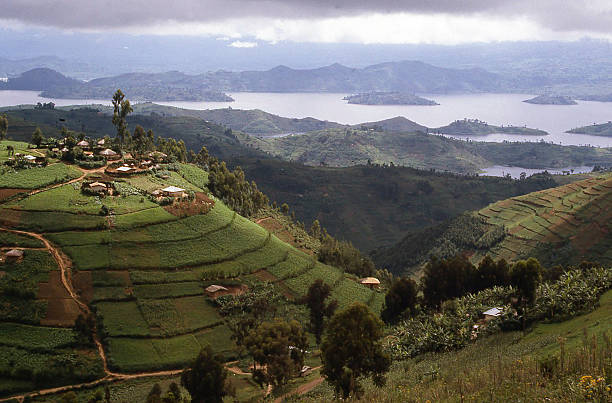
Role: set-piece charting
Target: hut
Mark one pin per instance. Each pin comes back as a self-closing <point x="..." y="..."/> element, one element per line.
<point x="30" y="158"/>
<point x="124" y="169"/>
<point x="173" y="191"/>
<point x="371" y="282"/>
<point x="109" y="154"/>
<point x="492" y="313"/>
<point x="101" y="142"/>
<point x="214" y="290"/>
<point x="13" y="255"/>
<point x="83" y="144"/>
<point x="98" y="187"/>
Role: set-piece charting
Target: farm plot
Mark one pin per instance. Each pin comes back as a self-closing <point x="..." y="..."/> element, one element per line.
<point x="12" y="239"/>
<point x="295" y="264"/>
<point x="51" y="221"/>
<point x="170" y="317"/>
<point x="349" y="291"/>
<point x="69" y="198"/>
<point x="111" y="294"/>
<point x="330" y="275"/>
<point x="122" y="319"/>
<point x="35" y="337"/>
<point x="142" y="218"/>
<point x="35" y="178"/>
<point x="150" y="182"/>
<point x="161" y="277"/>
<point x="171" y="290"/>
<point x="195" y="175"/>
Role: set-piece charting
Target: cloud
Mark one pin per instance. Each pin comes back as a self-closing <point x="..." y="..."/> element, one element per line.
<point x="262" y="18"/>
<point x="241" y="44"/>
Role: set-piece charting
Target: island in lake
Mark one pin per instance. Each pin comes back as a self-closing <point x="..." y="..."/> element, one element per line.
<point x="551" y="100"/>
<point x="387" y="98"/>
<point x="603" y="129"/>
<point x="477" y="127"/>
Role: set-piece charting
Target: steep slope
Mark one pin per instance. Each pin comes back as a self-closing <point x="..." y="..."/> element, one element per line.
<point x="142" y="266"/>
<point x="562" y="225"/>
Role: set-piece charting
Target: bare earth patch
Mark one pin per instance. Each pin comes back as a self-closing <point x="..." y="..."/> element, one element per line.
<point x="62" y="310"/>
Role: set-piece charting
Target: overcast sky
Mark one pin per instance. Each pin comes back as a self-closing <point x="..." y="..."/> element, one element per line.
<point x="355" y="21"/>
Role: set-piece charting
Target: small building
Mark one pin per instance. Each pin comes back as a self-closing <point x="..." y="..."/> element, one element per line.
<point x="124" y="169"/>
<point x="173" y="191"/>
<point x="88" y="154"/>
<point x="214" y="289"/>
<point x="101" y="142"/>
<point x="83" y="144"/>
<point x="98" y="187"/>
<point x="30" y="158"/>
<point x="305" y="371"/>
<point x="13" y="255"/>
<point x="371" y="282"/>
<point x="492" y="313"/>
<point x="109" y="154"/>
<point x="65" y="150"/>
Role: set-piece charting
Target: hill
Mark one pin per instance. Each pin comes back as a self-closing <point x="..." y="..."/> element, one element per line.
<point x="404" y="76"/>
<point x="603" y="129"/>
<point x="562" y="225"/>
<point x="345" y="147"/>
<point x="387" y="98"/>
<point x="141" y="265"/>
<point x="41" y="79"/>
<point x="254" y="121"/>
<point x="551" y="100"/>
<point x="476" y="127"/>
<point x="398" y="124"/>
<point x="375" y="206"/>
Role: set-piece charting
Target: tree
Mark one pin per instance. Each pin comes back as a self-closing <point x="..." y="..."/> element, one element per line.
<point x="351" y="350"/>
<point x="3" y="126"/>
<point x="206" y="378"/>
<point x="37" y="137"/>
<point x="446" y="278"/>
<point x="85" y="326"/>
<point x="401" y="296"/>
<point x="121" y="109"/>
<point x="525" y="276"/>
<point x="319" y="310"/>
<point x="279" y="347"/>
<point x="139" y="140"/>
<point x="489" y="273"/>
<point x="315" y="229"/>
<point x="155" y="394"/>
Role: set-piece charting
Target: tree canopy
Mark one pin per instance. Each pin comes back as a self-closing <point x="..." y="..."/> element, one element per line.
<point x="3" y="126"/>
<point x="121" y="109"/>
<point x="319" y="309"/>
<point x="352" y="350"/>
<point x="206" y="378"/>
<point x="401" y="296"/>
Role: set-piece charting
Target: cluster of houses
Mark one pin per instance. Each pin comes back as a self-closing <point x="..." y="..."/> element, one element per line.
<point x="29" y="159"/>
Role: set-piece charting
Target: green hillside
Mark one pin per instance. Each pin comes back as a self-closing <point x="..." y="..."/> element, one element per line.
<point x="562" y="225"/>
<point x="346" y="147"/>
<point x="477" y="128"/>
<point x="141" y="267"/>
<point x="603" y="129"/>
<point x="375" y="206"/>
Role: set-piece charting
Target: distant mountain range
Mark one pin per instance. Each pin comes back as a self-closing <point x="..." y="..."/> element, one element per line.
<point x="406" y="76"/>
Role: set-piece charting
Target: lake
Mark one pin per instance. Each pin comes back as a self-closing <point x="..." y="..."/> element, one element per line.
<point x="496" y="109"/>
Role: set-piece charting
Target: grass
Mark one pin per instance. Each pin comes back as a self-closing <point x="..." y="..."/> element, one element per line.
<point x="35" y="178"/>
<point x="299" y="285"/>
<point x="149" y="182"/>
<point x="22" y="278"/>
<point x="502" y="367"/>
<point x="19" y="146"/>
<point x="295" y="264"/>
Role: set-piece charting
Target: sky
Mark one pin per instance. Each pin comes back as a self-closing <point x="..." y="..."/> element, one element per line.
<point x="245" y="23"/>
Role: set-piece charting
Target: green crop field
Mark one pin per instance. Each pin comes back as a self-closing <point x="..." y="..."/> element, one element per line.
<point x="545" y="224"/>
<point x="143" y="272"/>
<point x="35" y="178"/>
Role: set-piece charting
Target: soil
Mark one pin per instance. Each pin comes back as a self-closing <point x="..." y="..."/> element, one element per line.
<point x="201" y="205"/>
<point x="62" y="310"/>
<point x="7" y="193"/>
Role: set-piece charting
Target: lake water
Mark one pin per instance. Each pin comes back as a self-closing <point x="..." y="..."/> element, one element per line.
<point x="515" y="172"/>
<point x="496" y="109"/>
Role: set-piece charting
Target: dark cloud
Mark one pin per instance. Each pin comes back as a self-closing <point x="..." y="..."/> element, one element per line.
<point x="560" y="15"/>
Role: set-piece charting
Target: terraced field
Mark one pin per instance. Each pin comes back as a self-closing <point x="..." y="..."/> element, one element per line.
<point x="573" y="221"/>
<point x="141" y="270"/>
